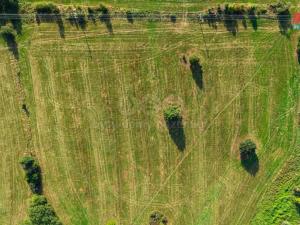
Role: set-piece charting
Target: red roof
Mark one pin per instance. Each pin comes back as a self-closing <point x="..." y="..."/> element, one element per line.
<point x="296" y="18"/>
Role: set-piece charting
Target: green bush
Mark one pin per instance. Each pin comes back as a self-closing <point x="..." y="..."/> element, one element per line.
<point x="32" y="174"/>
<point x="157" y="218"/>
<point x="41" y="212"/>
<point x="247" y="149"/>
<point x="46" y="8"/>
<point x="111" y="222"/>
<point x="172" y="113"/>
<point x="103" y="9"/>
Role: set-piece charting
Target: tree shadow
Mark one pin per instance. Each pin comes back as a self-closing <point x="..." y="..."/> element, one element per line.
<point x="284" y="21"/>
<point x="211" y="19"/>
<point x="60" y="24"/>
<point x="106" y="19"/>
<point x="12" y="45"/>
<point x="173" y="18"/>
<point x="253" y="18"/>
<point x="197" y="73"/>
<point x="91" y="15"/>
<point x="78" y="19"/>
<point x="129" y="17"/>
<point x="231" y="24"/>
<point x="244" y="21"/>
<point x="17" y="23"/>
<point x="250" y="164"/>
<point x="176" y="132"/>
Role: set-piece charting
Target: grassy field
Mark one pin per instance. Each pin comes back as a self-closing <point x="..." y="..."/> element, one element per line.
<point x="96" y="122"/>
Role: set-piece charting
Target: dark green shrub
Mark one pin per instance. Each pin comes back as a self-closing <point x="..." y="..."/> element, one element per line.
<point x="46" y="8"/>
<point x="103" y="9"/>
<point x="247" y="149"/>
<point x="41" y="212"/>
<point x="157" y="218"/>
<point x="32" y="174"/>
<point x="172" y="113"/>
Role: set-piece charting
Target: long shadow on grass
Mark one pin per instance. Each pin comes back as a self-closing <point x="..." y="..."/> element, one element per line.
<point x="106" y="19"/>
<point x="197" y="73"/>
<point x="176" y="132"/>
<point x="251" y="164"/>
<point x="284" y="21"/>
<point x="12" y="45"/>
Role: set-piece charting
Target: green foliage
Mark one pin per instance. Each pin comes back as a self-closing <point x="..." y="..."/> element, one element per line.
<point x="157" y="218"/>
<point x="194" y="60"/>
<point x="32" y="174"/>
<point x="280" y="7"/>
<point x="46" y="8"/>
<point x="103" y="9"/>
<point x="172" y="113"/>
<point x="247" y="148"/>
<point x="9" y="6"/>
<point x="111" y="222"/>
<point x="41" y="212"/>
<point x="8" y="34"/>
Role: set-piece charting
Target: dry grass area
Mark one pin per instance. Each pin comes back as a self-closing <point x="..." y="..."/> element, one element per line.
<point x="95" y="101"/>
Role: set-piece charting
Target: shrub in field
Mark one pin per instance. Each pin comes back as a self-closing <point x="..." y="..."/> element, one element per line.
<point x="46" y="8"/>
<point x="248" y="156"/>
<point x="173" y="119"/>
<point x="157" y="218"/>
<point x="111" y="222"/>
<point x="41" y="212"/>
<point x="46" y="12"/>
<point x="172" y="113"/>
<point x="32" y="174"/>
<point x="247" y="149"/>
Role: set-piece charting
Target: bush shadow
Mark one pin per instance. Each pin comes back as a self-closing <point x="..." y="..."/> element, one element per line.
<point x="12" y="46"/>
<point x="129" y="17"/>
<point x="176" y="132"/>
<point x="197" y="73"/>
<point x="106" y="19"/>
<point x="250" y="164"/>
<point x="284" y="21"/>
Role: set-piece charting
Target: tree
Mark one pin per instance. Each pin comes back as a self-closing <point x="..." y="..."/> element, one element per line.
<point x="41" y="212"/>
<point x="247" y="149"/>
<point x="172" y="113"/>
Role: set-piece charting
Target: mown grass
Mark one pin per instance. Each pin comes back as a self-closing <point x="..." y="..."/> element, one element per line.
<point x="96" y="116"/>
